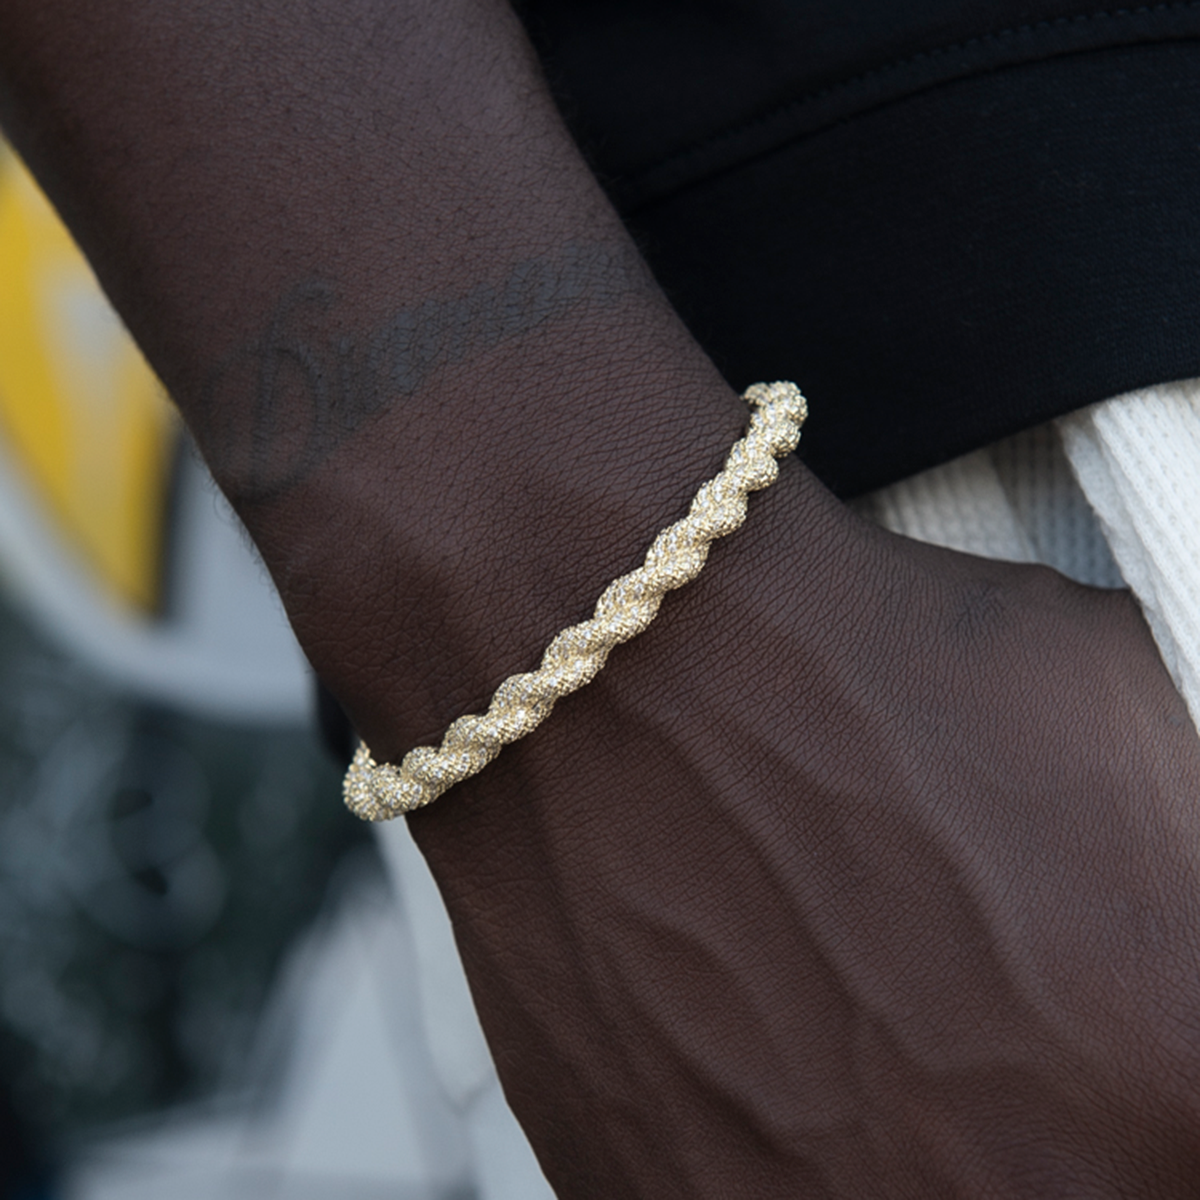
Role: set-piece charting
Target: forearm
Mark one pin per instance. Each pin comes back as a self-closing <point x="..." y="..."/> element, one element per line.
<point x="410" y="335"/>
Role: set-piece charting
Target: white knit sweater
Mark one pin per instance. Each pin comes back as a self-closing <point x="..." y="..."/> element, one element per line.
<point x="1109" y="496"/>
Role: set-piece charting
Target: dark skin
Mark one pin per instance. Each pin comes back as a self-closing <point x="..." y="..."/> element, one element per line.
<point x="870" y="870"/>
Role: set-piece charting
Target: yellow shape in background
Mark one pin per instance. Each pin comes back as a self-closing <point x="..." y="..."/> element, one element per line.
<point x="79" y="408"/>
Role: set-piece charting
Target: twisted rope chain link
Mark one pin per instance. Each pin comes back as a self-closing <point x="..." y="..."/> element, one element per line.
<point x="378" y="791"/>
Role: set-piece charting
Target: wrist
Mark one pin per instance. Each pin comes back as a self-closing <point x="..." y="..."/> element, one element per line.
<point x="446" y="544"/>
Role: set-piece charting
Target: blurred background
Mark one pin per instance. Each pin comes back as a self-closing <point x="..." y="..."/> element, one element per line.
<point x="170" y="822"/>
<point x="210" y="988"/>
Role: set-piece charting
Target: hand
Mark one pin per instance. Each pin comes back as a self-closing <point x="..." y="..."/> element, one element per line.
<point x="870" y="870"/>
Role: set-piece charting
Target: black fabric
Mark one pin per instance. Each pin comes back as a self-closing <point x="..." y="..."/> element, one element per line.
<point x="946" y="221"/>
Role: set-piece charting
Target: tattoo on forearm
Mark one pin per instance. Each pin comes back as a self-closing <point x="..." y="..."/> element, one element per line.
<point x="280" y="404"/>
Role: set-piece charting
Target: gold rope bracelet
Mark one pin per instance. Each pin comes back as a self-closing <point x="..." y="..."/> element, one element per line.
<point x="378" y="791"/>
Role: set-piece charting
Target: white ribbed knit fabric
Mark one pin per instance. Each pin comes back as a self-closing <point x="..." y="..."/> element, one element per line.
<point x="1106" y="494"/>
<point x="1137" y="459"/>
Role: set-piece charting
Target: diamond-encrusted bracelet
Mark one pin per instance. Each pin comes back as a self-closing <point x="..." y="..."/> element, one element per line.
<point x="378" y="791"/>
